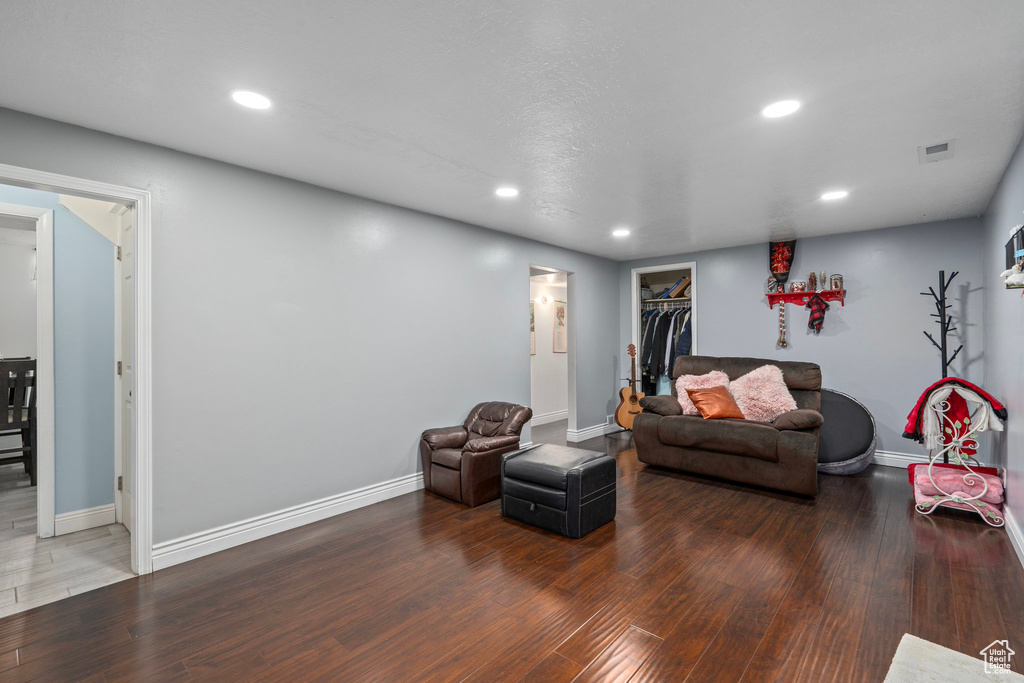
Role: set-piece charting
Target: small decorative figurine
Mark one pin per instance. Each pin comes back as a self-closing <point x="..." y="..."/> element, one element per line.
<point x="812" y="282"/>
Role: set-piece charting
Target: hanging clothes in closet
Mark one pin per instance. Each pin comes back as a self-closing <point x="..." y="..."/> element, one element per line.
<point x="665" y="334"/>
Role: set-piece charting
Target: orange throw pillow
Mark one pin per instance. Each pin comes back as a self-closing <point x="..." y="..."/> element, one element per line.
<point x="714" y="403"/>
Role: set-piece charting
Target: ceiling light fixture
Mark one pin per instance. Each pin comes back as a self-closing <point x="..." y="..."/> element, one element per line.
<point x="551" y="277"/>
<point x="507" y="192"/>
<point x="620" y="232"/>
<point x="837" y="194"/>
<point x="252" y="100"/>
<point x="777" y="109"/>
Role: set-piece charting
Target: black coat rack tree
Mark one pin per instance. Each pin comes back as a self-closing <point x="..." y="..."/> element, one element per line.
<point x="944" y="320"/>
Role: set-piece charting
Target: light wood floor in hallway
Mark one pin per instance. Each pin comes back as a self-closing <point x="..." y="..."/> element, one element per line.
<point x="36" y="571"/>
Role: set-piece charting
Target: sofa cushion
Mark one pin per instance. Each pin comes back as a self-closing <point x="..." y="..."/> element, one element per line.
<point x="715" y="378"/>
<point x="799" y="419"/>
<point x="762" y="394"/>
<point x="737" y="437"/>
<point x="661" y="405"/>
<point x="798" y="375"/>
<point x="447" y="457"/>
<point x="714" y="403"/>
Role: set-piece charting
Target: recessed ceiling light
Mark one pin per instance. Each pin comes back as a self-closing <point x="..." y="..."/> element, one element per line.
<point x="507" y="192"/>
<point x="837" y="194"/>
<point x="250" y="99"/>
<point x="620" y="232"/>
<point x="777" y="109"/>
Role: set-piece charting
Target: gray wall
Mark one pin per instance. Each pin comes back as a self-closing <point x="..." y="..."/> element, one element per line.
<point x="303" y="338"/>
<point x="1004" y="328"/>
<point x="83" y="347"/>
<point x="873" y="348"/>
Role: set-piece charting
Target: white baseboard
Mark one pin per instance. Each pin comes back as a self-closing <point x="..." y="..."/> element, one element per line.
<point x="80" y="520"/>
<point x="548" y="418"/>
<point x="577" y="435"/>
<point x="903" y="460"/>
<point x="193" y="546"/>
<point x="1015" y="533"/>
<point x="892" y="459"/>
<point x="525" y="445"/>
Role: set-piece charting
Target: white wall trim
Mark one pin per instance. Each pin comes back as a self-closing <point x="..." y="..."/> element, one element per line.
<point x="904" y="460"/>
<point x="1015" y="533"/>
<point x="577" y="435"/>
<point x="142" y="490"/>
<point x="79" y="520"/>
<point x="570" y="295"/>
<point x="204" y="543"/>
<point x="548" y="418"/>
<point x="893" y="459"/>
<point x="524" y="446"/>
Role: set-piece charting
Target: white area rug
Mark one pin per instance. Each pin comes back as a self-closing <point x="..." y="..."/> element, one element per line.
<point x="918" y="660"/>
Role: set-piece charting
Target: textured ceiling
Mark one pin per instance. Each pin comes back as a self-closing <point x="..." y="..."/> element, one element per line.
<point x="604" y="113"/>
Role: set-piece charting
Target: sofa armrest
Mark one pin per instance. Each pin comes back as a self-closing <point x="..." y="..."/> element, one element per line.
<point x="661" y="405"/>
<point x="802" y="418"/>
<point x="489" y="443"/>
<point x="446" y="437"/>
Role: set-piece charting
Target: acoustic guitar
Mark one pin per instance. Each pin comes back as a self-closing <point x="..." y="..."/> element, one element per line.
<point x="629" y="397"/>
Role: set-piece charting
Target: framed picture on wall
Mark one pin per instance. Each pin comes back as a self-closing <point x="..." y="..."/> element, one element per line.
<point x="561" y="334"/>
<point x="533" y="333"/>
<point x="1015" y="253"/>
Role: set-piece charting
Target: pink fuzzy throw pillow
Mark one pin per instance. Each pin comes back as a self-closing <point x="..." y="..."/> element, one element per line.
<point x="761" y="394"/>
<point x="715" y="378"/>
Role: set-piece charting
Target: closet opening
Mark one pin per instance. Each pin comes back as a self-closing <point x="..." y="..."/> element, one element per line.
<point x="550" y="355"/>
<point x="664" y="322"/>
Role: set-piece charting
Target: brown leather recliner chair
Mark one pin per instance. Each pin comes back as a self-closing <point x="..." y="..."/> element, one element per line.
<point x="464" y="463"/>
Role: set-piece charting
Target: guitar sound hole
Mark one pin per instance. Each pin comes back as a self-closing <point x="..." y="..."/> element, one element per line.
<point x="634" y="400"/>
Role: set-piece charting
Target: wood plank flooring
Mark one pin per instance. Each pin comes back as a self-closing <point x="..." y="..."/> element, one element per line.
<point x="695" y="580"/>
<point x="35" y="571"/>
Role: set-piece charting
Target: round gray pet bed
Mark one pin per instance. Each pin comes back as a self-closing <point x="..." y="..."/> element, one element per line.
<point x="846" y="442"/>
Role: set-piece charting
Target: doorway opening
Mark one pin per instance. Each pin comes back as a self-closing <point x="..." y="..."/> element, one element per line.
<point x="91" y="368"/>
<point x="664" y="321"/>
<point x="551" y="355"/>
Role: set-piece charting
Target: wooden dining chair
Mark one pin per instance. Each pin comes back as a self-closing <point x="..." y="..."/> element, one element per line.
<point x="18" y="416"/>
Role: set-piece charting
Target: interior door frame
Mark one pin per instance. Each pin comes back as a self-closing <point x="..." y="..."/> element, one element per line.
<point x="141" y="202"/>
<point x="634" y="281"/>
<point x="44" y="362"/>
<point x="570" y="322"/>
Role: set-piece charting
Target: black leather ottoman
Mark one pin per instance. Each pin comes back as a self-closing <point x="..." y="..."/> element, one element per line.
<point x="565" y="490"/>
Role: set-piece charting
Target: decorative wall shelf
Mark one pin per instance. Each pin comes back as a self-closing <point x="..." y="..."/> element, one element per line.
<point x="802" y="297"/>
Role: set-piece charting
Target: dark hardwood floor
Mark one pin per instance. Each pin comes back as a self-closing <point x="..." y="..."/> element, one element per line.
<point x="695" y="580"/>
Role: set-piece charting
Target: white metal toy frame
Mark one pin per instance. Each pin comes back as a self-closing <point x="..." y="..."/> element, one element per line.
<point x="953" y="443"/>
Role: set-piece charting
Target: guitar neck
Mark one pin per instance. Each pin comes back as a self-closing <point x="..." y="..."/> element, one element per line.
<point x="632" y="374"/>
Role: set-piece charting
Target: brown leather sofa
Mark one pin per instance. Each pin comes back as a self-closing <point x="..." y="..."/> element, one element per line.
<point x="780" y="455"/>
<point x="464" y="463"/>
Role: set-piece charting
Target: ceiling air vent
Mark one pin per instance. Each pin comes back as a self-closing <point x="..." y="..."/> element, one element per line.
<point x="940" y="151"/>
